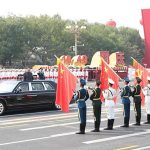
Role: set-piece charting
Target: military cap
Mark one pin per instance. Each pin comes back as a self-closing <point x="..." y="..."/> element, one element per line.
<point x="98" y="82"/>
<point x="82" y="82"/>
<point x="110" y="81"/>
<point x="138" y="79"/>
<point x="126" y="79"/>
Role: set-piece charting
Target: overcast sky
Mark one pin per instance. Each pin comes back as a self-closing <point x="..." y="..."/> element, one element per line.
<point x="124" y="12"/>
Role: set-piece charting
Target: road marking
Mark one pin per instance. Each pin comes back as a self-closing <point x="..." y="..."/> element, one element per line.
<point x="12" y="126"/>
<point x="44" y="118"/>
<point x="57" y="116"/>
<point x="126" y="148"/>
<point x="57" y="125"/>
<point x="116" y="137"/>
<point x="48" y="116"/>
<point x="24" y="141"/>
<point x="141" y="148"/>
<point x="55" y="136"/>
<point x="37" y="119"/>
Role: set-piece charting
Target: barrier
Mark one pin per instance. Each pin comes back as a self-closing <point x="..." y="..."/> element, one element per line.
<point x="87" y="74"/>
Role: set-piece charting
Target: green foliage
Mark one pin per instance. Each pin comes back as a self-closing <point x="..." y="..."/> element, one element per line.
<point x="35" y="40"/>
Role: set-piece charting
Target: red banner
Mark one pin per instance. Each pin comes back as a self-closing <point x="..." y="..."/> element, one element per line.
<point x="142" y="73"/>
<point x="106" y="73"/>
<point x="146" y="26"/>
<point x="65" y="86"/>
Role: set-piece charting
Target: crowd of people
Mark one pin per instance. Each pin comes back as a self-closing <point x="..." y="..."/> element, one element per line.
<point x="109" y="96"/>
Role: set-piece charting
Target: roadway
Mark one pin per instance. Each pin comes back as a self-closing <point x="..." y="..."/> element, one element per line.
<point x="56" y="130"/>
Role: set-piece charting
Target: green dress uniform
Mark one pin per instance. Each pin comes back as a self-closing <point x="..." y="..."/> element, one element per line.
<point x="96" y="102"/>
<point x="137" y="103"/>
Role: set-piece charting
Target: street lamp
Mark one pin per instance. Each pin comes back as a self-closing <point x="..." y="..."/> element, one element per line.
<point x="75" y="29"/>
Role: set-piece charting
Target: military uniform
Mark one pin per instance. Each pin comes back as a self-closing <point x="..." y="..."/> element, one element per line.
<point x="109" y="95"/>
<point x="146" y="92"/>
<point x="81" y="96"/>
<point x="96" y="102"/>
<point x="126" y="93"/>
<point x="137" y="102"/>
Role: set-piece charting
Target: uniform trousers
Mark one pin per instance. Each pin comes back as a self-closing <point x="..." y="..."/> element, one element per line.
<point x="97" y="113"/>
<point x="110" y="108"/>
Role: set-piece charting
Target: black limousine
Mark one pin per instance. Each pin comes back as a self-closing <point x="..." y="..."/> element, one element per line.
<point x="20" y="94"/>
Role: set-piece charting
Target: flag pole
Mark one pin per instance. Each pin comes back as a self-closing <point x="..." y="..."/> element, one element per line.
<point x="110" y="67"/>
<point x="133" y="59"/>
<point x="64" y="65"/>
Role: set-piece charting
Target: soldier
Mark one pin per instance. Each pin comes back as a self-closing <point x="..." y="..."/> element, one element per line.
<point x="81" y="96"/>
<point x="125" y="94"/>
<point x="137" y="101"/>
<point x="109" y="95"/>
<point x="96" y="102"/>
<point x="146" y="92"/>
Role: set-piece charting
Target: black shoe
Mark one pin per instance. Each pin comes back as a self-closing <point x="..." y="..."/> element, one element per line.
<point x="95" y="130"/>
<point x="137" y="124"/>
<point x="108" y="129"/>
<point x="146" y="122"/>
<point x="125" y="126"/>
<point x="80" y="132"/>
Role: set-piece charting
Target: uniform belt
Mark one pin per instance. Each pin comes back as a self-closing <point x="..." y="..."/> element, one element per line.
<point x="80" y="100"/>
<point x="147" y="95"/>
<point x="109" y="99"/>
<point x="96" y="99"/>
<point x="136" y="95"/>
<point x="126" y="96"/>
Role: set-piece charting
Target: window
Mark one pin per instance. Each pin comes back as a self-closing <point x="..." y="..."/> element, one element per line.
<point x="23" y="87"/>
<point x="48" y="86"/>
<point x="37" y="87"/>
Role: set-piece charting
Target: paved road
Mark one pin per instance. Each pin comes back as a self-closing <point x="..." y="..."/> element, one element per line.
<point x="54" y="130"/>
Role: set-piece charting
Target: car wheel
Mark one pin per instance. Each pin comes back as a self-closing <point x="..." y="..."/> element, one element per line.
<point x="2" y="108"/>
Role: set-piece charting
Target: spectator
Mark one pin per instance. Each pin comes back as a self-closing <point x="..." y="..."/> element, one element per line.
<point x="28" y="75"/>
<point x="41" y="74"/>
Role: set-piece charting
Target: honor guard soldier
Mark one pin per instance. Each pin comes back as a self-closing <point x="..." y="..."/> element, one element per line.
<point x="109" y="95"/>
<point x="137" y="101"/>
<point x="81" y="96"/>
<point x="125" y="94"/>
<point x="96" y="102"/>
<point x="146" y="92"/>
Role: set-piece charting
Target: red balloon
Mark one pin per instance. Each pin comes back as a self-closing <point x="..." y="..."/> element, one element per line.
<point x="111" y="23"/>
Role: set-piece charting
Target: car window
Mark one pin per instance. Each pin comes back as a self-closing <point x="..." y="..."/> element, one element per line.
<point x="48" y="86"/>
<point x="24" y="87"/>
<point x="37" y="87"/>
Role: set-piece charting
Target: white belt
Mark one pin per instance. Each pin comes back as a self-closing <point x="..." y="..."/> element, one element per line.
<point x="80" y="100"/>
<point x="95" y="99"/>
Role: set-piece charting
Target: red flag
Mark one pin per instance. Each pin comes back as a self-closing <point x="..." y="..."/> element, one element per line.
<point x="107" y="72"/>
<point x="65" y="87"/>
<point x="142" y="73"/>
<point x="146" y="26"/>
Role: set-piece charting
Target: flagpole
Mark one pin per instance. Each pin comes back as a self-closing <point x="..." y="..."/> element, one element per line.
<point x="64" y="65"/>
<point x="137" y="62"/>
<point x="110" y="67"/>
<point x="133" y="59"/>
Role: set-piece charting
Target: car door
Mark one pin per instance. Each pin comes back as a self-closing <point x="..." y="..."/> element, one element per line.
<point x="50" y="92"/>
<point x="39" y="95"/>
<point x="20" y="94"/>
